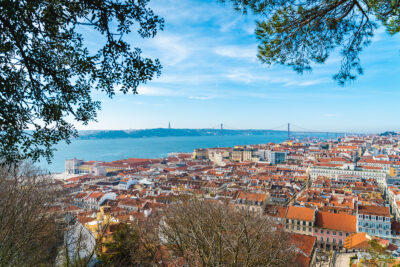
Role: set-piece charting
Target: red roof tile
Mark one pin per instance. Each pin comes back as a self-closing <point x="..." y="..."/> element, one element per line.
<point x="336" y="221"/>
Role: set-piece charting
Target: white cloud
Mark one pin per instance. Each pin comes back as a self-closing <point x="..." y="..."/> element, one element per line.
<point x="183" y="92"/>
<point x="154" y="91"/>
<point x="229" y="25"/>
<point x="306" y="83"/>
<point x="240" y="52"/>
<point x="192" y="78"/>
<point x="172" y="49"/>
<point x="280" y="77"/>
<point x="240" y="77"/>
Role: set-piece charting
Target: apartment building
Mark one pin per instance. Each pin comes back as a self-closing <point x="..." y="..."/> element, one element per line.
<point x="374" y="220"/>
<point x="331" y="229"/>
<point x="300" y="220"/>
<point x="378" y="176"/>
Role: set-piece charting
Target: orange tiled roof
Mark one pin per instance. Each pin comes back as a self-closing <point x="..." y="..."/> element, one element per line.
<point x="300" y="213"/>
<point x="276" y="211"/>
<point x="305" y="245"/>
<point x="96" y="195"/>
<point x="336" y="221"/>
<point x="252" y="196"/>
<point x="374" y="210"/>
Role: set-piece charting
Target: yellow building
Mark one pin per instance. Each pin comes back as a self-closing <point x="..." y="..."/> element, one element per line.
<point x="200" y="153"/>
<point x="85" y="168"/>
<point x="393" y="172"/>
<point x="103" y="221"/>
<point x="114" y="169"/>
<point x="94" y="168"/>
<point x="237" y="154"/>
<point x="247" y="155"/>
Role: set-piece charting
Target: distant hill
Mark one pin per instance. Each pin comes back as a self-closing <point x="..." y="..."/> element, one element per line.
<point x="388" y="133"/>
<point x="164" y="132"/>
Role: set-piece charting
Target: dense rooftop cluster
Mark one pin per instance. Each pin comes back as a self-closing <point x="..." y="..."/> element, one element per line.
<point x="325" y="192"/>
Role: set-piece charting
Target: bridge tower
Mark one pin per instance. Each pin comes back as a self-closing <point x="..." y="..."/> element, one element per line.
<point x="222" y="129"/>
<point x="288" y="131"/>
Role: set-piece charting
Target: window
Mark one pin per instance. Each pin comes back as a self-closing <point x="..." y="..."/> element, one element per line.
<point x="304" y="222"/>
<point x="340" y="233"/>
<point x="304" y="228"/>
<point x="287" y="226"/>
<point x="334" y="240"/>
<point x="387" y="232"/>
<point x="373" y="218"/>
<point x="334" y="232"/>
<point x="322" y="231"/>
<point x="309" y="229"/>
<point x="322" y="239"/>
<point x="347" y="234"/>
<point x="367" y="217"/>
<point x="327" y="240"/>
<point x="380" y="218"/>
<point x="327" y="232"/>
<point x="298" y="228"/>
<point x="340" y="241"/>
<point x="387" y="219"/>
<point x="360" y="216"/>
<point x="287" y="220"/>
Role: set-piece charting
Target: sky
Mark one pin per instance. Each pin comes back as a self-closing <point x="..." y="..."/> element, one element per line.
<point x="211" y="75"/>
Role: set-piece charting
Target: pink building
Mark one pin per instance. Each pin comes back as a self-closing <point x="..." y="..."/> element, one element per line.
<point x="331" y="229"/>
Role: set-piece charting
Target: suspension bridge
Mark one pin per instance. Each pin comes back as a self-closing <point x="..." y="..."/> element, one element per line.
<point x="292" y="130"/>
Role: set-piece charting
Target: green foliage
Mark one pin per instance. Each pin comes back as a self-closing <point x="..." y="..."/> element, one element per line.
<point x="130" y="246"/>
<point x="123" y="247"/>
<point x="298" y="33"/>
<point x="47" y="73"/>
<point x="378" y="254"/>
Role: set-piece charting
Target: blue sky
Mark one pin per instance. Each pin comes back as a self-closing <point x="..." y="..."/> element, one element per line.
<point x="211" y="75"/>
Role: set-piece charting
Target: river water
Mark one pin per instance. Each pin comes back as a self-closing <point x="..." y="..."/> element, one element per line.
<point x="152" y="147"/>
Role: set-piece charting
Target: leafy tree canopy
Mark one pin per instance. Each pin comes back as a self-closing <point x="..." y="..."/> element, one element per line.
<point x="297" y="33"/>
<point x="47" y="72"/>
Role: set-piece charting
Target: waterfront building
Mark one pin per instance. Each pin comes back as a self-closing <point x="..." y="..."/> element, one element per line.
<point x="200" y="153"/>
<point x="72" y="166"/>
